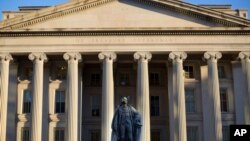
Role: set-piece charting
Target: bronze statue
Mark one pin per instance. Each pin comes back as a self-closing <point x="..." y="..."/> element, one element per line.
<point x="126" y="124"/>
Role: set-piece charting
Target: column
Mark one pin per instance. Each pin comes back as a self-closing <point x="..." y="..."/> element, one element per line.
<point x="177" y="99"/>
<point x="142" y="95"/>
<point x="72" y="95"/>
<point x="107" y="59"/>
<point x="4" y="85"/>
<point x="12" y="102"/>
<point x="37" y="106"/>
<point x="212" y="120"/>
<point x="239" y="92"/>
<point x="245" y="63"/>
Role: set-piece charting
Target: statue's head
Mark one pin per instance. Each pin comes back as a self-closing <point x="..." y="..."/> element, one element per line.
<point x="124" y="100"/>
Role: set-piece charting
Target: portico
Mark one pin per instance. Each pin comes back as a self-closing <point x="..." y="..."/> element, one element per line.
<point x="108" y="103"/>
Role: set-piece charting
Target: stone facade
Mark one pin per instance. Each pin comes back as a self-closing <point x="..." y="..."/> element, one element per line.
<point x="64" y="69"/>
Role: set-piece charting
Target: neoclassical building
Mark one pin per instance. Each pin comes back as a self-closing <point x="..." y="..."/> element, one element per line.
<point x="64" y="69"/>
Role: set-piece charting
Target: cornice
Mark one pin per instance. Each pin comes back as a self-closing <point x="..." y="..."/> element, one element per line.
<point x="199" y="12"/>
<point x="124" y="33"/>
<point x="50" y="13"/>
<point x="76" y="6"/>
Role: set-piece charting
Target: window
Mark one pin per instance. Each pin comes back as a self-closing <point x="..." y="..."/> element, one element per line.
<point x="25" y="134"/>
<point x="226" y="133"/>
<point x="244" y="15"/>
<point x="189" y="71"/>
<point x="61" y="72"/>
<point x="154" y="79"/>
<point x="95" y="79"/>
<point x="221" y="72"/>
<point x="155" y="106"/>
<point x="95" y="136"/>
<point x="60" y="101"/>
<point x="155" y="135"/>
<point x="190" y="100"/>
<point x="192" y="133"/>
<point x="95" y="105"/>
<point x="59" y="134"/>
<point x="27" y="73"/>
<point x="223" y="100"/>
<point x="124" y="79"/>
<point x="27" y="98"/>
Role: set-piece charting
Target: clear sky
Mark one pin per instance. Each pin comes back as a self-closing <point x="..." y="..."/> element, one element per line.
<point x="13" y="4"/>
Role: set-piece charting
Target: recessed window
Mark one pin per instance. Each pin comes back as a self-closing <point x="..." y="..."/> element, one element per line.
<point x="154" y="106"/>
<point x="124" y="79"/>
<point x="27" y="73"/>
<point x="155" y="136"/>
<point x="95" y="136"/>
<point x="190" y="100"/>
<point x="154" y="79"/>
<point x="95" y="105"/>
<point x="192" y="133"/>
<point x="244" y="15"/>
<point x="221" y="72"/>
<point x="95" y="79"/>
<point x="59" y="134"/>
<point x="61" y="72"/>
<point x="226" y="133"/>
<point x="223" y="100"/>
<point x="189" y="71"/>
<point x="60" y="101"/>
<point x="25" y="134"/>
<point x="27" y="98"/>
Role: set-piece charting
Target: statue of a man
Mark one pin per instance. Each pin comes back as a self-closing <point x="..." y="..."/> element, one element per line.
<point x="126" y="125"/>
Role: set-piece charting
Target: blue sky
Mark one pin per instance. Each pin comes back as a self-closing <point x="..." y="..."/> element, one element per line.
<point x="13" y="4"/>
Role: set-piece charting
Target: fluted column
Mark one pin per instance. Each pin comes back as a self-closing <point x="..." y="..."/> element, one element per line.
<point x="107" y="59"/>
<point x="4" y="85"/>
<point x="177" y="98"/>
<point x="142" y="95"/>
<point x="36" y="123"/>
<point x="72" y="95"/>
<point x="212" y="119"/>
<point x="245" y="62"/>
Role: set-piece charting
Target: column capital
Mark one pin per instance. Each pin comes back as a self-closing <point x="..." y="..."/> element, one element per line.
<point x="107" y="55"/>
<point x="244" y="56"/>
<point x="178" y="56"/>
<point x="5" y="57"/>
<point x="142" y="56"/>
<point x="72" y="56"/>
<point x="213" y="56"/>
<point x="40" y="56"/>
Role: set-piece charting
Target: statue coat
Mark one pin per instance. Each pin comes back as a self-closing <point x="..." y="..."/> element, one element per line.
<point x="136" y="124"/>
